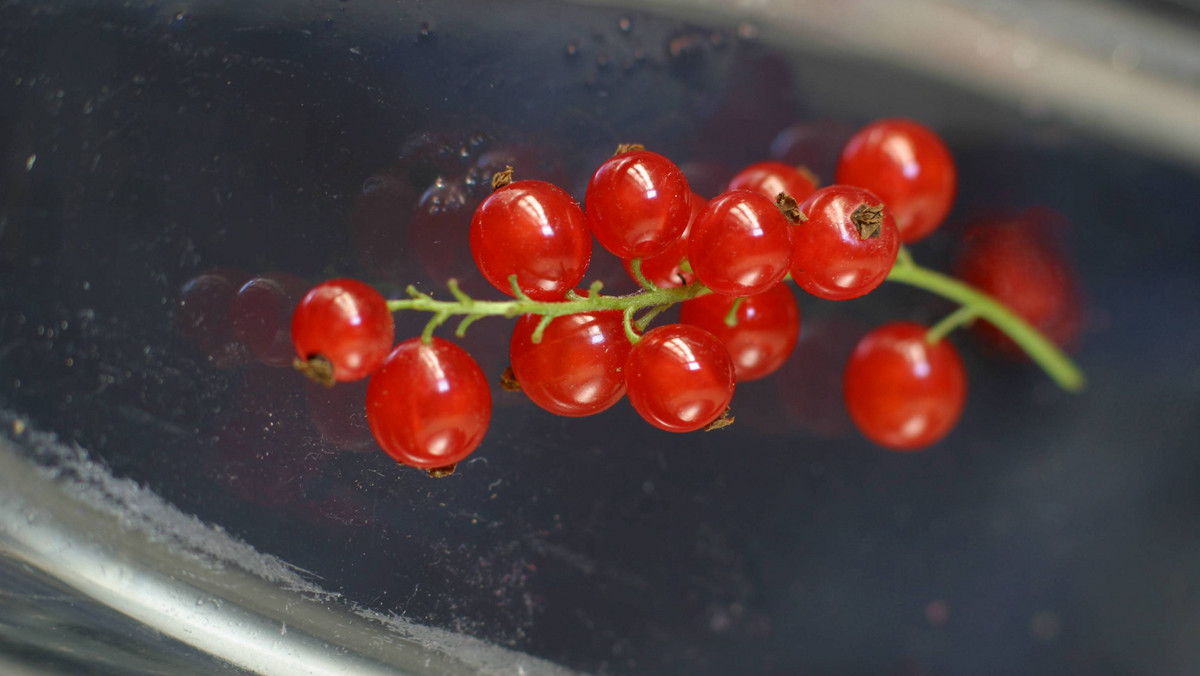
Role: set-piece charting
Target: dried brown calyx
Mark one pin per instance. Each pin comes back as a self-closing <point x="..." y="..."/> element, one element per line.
<point x="867" y="220"/>
<point x="628" y="148"/>
<point x="442" y="472"/>
<point x="725" y="420"/>
<point x="508" y="381"/>
<point x="502" y="178"/>
<point x="790" y="208"/>
<point x="316" y="368"/>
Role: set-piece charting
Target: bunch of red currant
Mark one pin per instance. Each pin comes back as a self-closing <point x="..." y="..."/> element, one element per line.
<point x="576" y="352"/>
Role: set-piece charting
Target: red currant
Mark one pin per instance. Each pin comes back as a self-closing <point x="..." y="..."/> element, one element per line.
<point x="740" y="244"/>
<point x="679" y="377"/>
<point x="771" y="178"/>
<point x="768" y="325"/>
<point x="847" y="246"/>
<point x="909" y="167"/>
<point x="901" y="391"/>
<point x="576" y="369"/>
<point x="664" y="270"/>
<point x="1019" y="263"/>
<point x="429" y="404"/>
<point x="638" y="203"/>
<point x="536" y="231"/>
<point x="261" y="315"/>
<point x="348" y="324"/>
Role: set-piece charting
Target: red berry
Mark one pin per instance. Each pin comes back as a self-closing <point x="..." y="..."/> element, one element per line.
<point x="429" y="404"/>
<point x="536" y="231"/>
<point x="638" y="203"/>
<point x="664" y="270"/>
<point x="679" y="377"/>
<point x="348" y="324"/>
<point x="576" y="369"/>
<point x="1018" y="262"/>
<point x="261" y="315"/>
<point x="740" y="245"/>
<point x="768" y="325"/>
<point x="771" y="178"/>
<point x="901" y="391"/>
<point x="909" y="167"/>
<point x="846" y="247"/>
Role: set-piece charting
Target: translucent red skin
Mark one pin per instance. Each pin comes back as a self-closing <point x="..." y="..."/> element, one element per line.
<point x="663" y="270"/>
<point x="766" y="332"/>
<point x="638" y="203"/>
<point x="909" y="167"/>
<point x="578" y="367"/>
<point x="536" y="231"/>
<point x="347" y="323"/>
<point x="1018" y="262"/>
<point x="740" y="244"/>
<point x="261" y="314"/>
<point x="679" y="378"/>
<point x="771" y="178"/>
<point x="901" y="392"/>
<point x="429" y="405"/>
<point x="830" y="260"/>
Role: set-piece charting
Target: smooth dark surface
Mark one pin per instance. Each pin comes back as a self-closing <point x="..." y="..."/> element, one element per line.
<point x="1057" y="532"/>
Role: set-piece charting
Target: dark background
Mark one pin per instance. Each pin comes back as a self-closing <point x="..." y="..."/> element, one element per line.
<point x="1049" y="534"/>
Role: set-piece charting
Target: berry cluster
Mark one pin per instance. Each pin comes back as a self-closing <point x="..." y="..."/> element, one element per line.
<point x="576" y="352"/>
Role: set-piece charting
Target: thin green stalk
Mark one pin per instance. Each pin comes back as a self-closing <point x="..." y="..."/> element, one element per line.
<point x="475" y="309"/>
<point x="965" y="314"/>
<point x="1044" y="353"/>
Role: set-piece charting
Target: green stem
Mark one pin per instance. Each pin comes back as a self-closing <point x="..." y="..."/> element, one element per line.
<point x="1044" y="353"/>
<point x="974" y="303"/>
<point x="963" y="315"/>
<point x="474" y="309"/>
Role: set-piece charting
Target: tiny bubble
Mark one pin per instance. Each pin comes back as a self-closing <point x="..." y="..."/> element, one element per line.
<point x="572" y="48"/>
<point x="179" y="16"/>
<point x="87" y="286"/>
<point x="625" y="24"/>
<point x="30" y="161"/>
<point x="426" y="29"/>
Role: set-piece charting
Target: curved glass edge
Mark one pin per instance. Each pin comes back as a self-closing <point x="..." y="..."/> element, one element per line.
<point x="114" y="543"/>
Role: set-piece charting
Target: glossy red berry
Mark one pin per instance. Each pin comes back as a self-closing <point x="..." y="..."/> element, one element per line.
<point x="909" y="167"/>
<point x="847" y="246"/>
<point x="679" y="377"/>
<point x="740" y="244"/>
<point x="429" y="405"/>
<point x="536" y="231"/>
<point x="768" y="325"/>
<point x="261" y="315"/>
<point x="578" y="367"/>
<point x="1019" y="262"/>
<point x="771" y="178"/>
<point x="347" y="323"/>
<point x="902" y="392"/>
<point x="664" y="270"/>
<point x="638" y="203"/>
